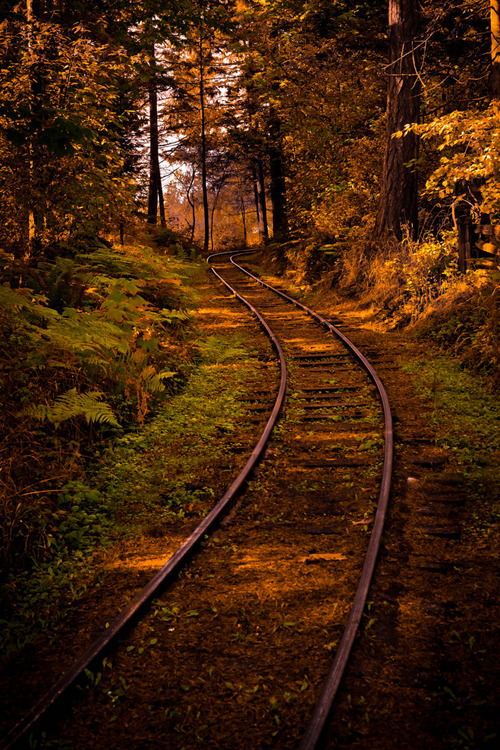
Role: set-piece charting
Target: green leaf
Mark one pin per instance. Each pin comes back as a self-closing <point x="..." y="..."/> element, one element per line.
<point x="73" y="404"/>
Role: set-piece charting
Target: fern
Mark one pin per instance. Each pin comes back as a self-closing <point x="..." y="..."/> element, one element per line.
<point x="24" y="300"/>
<point x="73" y="404"/>
<point x="114" y="263"/>
<point x="153" y="381"/>
<point x="87" y="334"/>
<point x="109" y="336"/>
<point x="110" y="262"/>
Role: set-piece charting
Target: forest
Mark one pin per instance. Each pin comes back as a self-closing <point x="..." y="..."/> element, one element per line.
<point x="348" y="141"/>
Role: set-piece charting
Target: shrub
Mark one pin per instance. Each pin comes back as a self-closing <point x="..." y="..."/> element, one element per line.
<point x="83" y="355"/>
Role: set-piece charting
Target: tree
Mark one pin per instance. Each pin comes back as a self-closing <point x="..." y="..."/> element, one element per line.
<point x="277" y="171"/>
<point x="60" y="135"/>
<point x="399" y="194"/>
<point x="157" y="26"/>
<point x="469" y="144"/>
<point x="260" y="36"/>
<point x="495" y="47"/>
<point x="155" y="192"/>
<point x="312" y="77"/>
<point x="194" y="110"/>
<point x="260" y="197"/>
<point x="203" y="135"/>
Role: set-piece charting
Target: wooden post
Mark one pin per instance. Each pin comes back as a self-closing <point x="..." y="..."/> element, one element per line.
<point x="464" y="226"/>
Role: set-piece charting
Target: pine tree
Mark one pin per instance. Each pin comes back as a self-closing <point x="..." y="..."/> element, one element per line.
<point x="399" y="198"/>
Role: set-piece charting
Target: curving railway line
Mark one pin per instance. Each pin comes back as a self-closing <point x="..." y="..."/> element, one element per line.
<point x="311" y="502"/>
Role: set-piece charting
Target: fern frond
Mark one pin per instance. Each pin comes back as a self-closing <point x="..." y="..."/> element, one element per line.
<point x="26" y="300"/>
<point x="73" y="404"/>
<point x="88" y="334"/>
<point x="110" y="262"/>
<point x="154" y="381"/>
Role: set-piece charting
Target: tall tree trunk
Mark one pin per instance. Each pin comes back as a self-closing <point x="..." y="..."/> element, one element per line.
<point x="161" y="202"/>
<point x="155" y="188"/>
<point x="262" y="198"/>
<point x="243" y="219"/>
<point x="32" y="11"/>
<point x="280" y="224"/>
<point x="206" y="215"/>
<point x="255" y="182"/>
<point x="191" y="203"/>
<point x="153" y="153"/>
<point x="212" y="214"/>
<point x="495" y="47"/>
<point x="399" y="196"/>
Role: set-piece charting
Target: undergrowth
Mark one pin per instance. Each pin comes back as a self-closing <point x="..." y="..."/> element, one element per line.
<point x="467" y="419"/>
<point x="145" y="479"/>
<point x="468" y="326"/>
<point x="165" y="471"/>
<point x="409" y="285"/>
<point x="92" y="344"/>
<point x="417" y="286"/>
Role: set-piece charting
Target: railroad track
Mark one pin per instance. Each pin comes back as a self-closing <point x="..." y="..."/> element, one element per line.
<point x="311" y="506"/>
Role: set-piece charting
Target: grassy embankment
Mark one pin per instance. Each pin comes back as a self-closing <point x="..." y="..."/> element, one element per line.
<point x="411" y="286"/>
<point x="105" y="416"/>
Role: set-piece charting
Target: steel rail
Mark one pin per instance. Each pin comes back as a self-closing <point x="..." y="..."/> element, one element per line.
<point x="166" y="573"/>
<point x="318" y="724"/>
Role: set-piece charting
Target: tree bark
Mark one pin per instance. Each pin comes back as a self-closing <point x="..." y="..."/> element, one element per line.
<point x="243" y="219"/>
<point x="262" y="198"/>
<point x="191" y="203"/>
<point x="154" y="164"/>
<point x="255" y="183"/>
<point x="206" y="215"/>
<point x="155" y="193"/>
<point x="278" y="188"/>
<point x="495" y="47"/>
<point x="32" y="11"/>
<point x="399" y="196"/>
